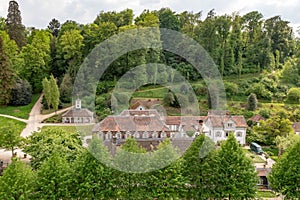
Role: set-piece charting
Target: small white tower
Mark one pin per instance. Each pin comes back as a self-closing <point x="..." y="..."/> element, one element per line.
<point x="78" y="103"/>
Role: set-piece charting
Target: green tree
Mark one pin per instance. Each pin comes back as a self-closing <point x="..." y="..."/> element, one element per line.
<point x="47" y="91"/>
<point x="54" y="93"/>
<point x="168" y="19"/>
<point x="273" y="127"/>
<point x="36" y="56"/>
<point x="54" y="178"/>
<point x="252" y="102"/>
<point x="237" y="178"/>
<point x="10" y="138"/>
<point x="41" y="145"/>
<point x="14" y="26"/>
<point x="12" y="51"/>
<point x="123" y="18"/>
<point x="66" y="89"/>
<point x="133" y="161"/>
<point x="284" y="177"/>
<point x="54" y="27"/>
<point x="290" y="73"/>
<point x="91" y="173"/>
<point x="196" y="167"/>
<point x="283" y="143"/>
<point x="17" y="181"/>
<point x="167" y="181"/>
<point x="70" y="49"/>
<point x="7" y="79"/>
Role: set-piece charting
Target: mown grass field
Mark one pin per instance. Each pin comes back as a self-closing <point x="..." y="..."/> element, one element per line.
<point x="19" y="111"/>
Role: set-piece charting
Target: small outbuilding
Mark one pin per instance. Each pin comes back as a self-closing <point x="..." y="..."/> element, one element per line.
<point x="78" y="115"/>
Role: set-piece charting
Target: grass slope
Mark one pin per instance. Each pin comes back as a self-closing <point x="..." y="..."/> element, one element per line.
<point x="19" y="111"/>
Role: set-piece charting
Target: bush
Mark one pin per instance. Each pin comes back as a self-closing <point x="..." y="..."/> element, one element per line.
<point x="231" y="89"/>
<point x="293" y="95"/>
<point x="21" y="93"/>
<point x="265" y="113"/>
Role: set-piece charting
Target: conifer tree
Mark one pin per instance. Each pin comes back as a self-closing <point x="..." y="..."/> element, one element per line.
<point x="14" y="26"/>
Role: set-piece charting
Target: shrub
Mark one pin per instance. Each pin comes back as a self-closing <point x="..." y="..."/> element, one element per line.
<point x="231" y="89"/>
<point x="293" y="95"/>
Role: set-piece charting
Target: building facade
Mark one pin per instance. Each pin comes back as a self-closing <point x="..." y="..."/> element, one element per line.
<point x="78" y="115"/>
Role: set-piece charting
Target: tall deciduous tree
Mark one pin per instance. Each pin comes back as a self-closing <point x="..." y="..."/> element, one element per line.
<point x="197" y="167"/>
<point x="92" y="175"/>
<point x="47" y="91"/>
<point x="12" y="51"/>
<point x="237" y="178"/>
<point x="70" y="47"/>
<point x="285" y="175"/>
<point x="41" y="145"/>
<point x="66" y="88"/>
<point x="7" y="80"/>
<point x="14" y="26"/>
<point x="17" y="181"/>
<point x="54" y="93"/>
<point x="273" y="127"/>
<point x="54" y="178"/>
<point x="10" y="138"/>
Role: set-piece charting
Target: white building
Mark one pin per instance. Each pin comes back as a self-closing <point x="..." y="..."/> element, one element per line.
<point x="219" y="126"/>
<point x="78" y="115"/>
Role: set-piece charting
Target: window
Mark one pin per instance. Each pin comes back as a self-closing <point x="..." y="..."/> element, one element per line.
<point x="226" y="134"/>
<point x="239" y="134"/>
<point x="229" y="125"/>
<point x="218" y="134"/>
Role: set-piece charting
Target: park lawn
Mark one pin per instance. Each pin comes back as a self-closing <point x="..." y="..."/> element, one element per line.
<point x="4" y="121"/>
<point x="19" y="111"/>
<point x="265" y="194"/>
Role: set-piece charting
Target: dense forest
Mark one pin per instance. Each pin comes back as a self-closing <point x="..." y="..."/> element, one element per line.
<point x="238" y="44"/>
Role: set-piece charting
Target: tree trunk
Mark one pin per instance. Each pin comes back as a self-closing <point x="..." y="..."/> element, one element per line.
<point x="12" y="152"/>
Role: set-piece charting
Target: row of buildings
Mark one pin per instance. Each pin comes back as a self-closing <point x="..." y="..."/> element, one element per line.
<point x="147" y="124"/>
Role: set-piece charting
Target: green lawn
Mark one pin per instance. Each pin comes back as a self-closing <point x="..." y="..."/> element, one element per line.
<point x="265" y="194"/>
<point x="255" y="158"/>
<point x="151" y="93"/>
<point x="19" y="111"/>
<point x="4" y="121"/>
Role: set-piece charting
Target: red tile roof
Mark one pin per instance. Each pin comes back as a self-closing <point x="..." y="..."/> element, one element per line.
<point x="132" y="121"/>
<point x="257" y="118"/>
<point x="147" y="104"/>
<point x="219" y="121"/>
